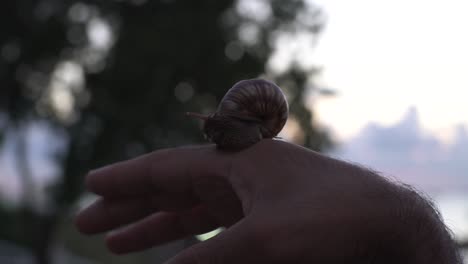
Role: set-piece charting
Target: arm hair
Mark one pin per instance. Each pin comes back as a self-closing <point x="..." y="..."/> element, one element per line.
<point x="419" y="235"/>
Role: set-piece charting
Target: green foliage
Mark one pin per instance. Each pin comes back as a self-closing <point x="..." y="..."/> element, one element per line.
<point x="116" y="77"/>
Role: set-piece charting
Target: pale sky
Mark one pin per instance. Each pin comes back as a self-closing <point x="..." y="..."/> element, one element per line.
<point x="384" y="56"/>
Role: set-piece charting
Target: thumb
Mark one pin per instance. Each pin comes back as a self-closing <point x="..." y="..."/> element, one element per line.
<point x="239" y="244"/>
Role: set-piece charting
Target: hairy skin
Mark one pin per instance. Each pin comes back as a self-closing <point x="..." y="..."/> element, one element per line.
<point x="281" y="203"/>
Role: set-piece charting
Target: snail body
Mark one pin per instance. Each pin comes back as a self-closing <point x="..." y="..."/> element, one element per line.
<point x="250" y="111"/>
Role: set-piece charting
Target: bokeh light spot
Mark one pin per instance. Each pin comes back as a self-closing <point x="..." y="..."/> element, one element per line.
<point x="257" y="10"/>
<point x="99" y="33"/>
<point x="10" y="52"/>
<point x="234" y="51"/>
<point x="79" y="13"/>
<point x="183" y="91"/>
<point x="249" y="33"/>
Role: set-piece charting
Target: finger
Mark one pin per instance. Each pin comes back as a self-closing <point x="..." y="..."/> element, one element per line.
<point x="237" y="244"/>
<point x="160" y="228"/>
<point x="104" y="215"/>
<point x="168" y="170"/>
<point x="124" y="178"/>
<point x="107" y="214"/>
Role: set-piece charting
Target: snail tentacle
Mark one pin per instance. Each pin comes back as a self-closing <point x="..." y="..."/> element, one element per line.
<point x="197" y="115"/>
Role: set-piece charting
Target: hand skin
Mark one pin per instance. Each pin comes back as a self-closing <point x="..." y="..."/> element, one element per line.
<point x="281" y="203"/>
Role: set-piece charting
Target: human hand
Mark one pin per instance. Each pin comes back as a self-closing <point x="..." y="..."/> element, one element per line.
<point x="281" y="203"/>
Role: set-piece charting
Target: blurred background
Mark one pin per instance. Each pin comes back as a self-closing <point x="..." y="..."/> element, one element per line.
<point x="87" y="83"/>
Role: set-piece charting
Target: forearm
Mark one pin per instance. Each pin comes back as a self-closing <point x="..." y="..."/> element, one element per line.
<point x="383" y="221"/>
<point x="417" y="234"/>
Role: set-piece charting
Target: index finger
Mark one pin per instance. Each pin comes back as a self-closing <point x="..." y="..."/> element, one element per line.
<point x="168" y="170"/>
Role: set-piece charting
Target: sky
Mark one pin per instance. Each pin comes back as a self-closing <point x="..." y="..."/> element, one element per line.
<point x="383" y="57"/>
<point x="400" y="72"/>
<point x="398" y="69"/>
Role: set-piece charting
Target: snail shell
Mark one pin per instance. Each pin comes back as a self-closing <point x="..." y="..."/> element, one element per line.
<point x="250" y="111"/>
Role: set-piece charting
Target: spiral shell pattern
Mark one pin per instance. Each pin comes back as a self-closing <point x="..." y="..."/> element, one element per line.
<point x="257" y="100"/>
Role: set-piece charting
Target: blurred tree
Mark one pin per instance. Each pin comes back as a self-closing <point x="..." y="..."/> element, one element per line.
<point x="114" y="78"/>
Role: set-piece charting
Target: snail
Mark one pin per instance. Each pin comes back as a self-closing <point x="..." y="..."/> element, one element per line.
<point x="250" y="111"/>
